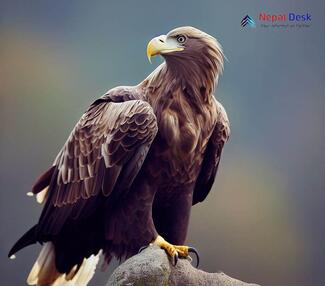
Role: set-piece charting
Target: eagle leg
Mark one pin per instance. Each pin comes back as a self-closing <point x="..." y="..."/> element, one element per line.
<point x="175" y="251"/>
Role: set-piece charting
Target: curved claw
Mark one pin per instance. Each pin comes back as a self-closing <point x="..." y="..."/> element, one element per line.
<point x="143" y="248"/>
<point x="175" y="259"/>
<point x="193" y="250"/>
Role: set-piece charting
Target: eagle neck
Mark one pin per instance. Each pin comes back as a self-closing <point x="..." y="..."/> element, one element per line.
<point x="194" y="83"/>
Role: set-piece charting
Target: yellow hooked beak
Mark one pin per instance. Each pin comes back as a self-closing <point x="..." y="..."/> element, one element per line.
<point x="162" y="45"/>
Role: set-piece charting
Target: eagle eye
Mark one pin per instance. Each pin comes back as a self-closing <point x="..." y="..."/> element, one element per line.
<point x="181" y="39"/>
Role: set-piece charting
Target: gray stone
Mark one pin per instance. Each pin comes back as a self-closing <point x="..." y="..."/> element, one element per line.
<point x="152" y="268"/>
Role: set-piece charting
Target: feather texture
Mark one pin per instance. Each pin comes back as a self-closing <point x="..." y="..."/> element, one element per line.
<point x="132" y="167"/>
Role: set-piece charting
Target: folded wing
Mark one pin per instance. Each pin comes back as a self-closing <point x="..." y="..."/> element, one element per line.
<point x="212" y="156"/>
<point x="101" y="158"/>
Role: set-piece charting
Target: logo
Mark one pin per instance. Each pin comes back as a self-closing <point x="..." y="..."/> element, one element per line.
<point x="248" y="21"/>
<point x="291" y="17"/>
<point x="282" y="20"/>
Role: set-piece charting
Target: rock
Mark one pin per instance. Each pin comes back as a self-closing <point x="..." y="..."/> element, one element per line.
<point x="152" y="267"/>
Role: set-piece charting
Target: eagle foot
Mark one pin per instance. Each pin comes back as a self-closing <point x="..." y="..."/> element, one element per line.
<point x="175" y="251"/>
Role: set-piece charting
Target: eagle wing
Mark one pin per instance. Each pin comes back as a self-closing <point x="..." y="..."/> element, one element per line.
<point x="212" y="156"/>
<point x="101" y="158"/>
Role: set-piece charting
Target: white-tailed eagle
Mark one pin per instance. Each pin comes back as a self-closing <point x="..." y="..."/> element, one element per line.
<point x="133" y="166"/>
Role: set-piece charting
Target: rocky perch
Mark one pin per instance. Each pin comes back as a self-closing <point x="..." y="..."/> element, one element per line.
<point x="152" y="267"/>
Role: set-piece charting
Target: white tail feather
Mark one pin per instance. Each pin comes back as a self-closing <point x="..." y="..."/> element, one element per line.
<point x="42" y="195"/>
<point x="87" y="270"/>
<point x="44" y="272"/>
<point x="46" y="254"/>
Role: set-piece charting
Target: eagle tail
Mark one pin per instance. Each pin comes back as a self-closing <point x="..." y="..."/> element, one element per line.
<point x="44" y="272"/>
<point x="27" y="239"/>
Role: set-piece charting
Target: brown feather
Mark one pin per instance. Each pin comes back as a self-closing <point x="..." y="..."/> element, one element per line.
<point x="137" y="160"/>
<point x="43" y="181"/>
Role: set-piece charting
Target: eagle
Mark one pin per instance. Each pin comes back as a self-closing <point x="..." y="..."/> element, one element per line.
<point x="133" y="166"/>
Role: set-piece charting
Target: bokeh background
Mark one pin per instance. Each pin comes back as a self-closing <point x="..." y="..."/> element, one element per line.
<point x="264" y="220"/>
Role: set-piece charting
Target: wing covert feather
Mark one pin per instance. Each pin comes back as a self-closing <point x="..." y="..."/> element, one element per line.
<point x="107" y="145"/>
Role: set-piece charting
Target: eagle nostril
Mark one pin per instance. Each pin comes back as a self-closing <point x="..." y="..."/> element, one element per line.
<point x="160" y="40"/>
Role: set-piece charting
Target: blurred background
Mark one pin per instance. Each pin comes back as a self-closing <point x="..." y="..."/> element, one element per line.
<point x="264" y="220"/>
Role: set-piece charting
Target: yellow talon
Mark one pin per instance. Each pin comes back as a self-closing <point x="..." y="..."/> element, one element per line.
<point x="175" y="251"/>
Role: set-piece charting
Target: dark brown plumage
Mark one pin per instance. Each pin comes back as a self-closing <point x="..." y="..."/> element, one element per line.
<point x="136" y="162"/>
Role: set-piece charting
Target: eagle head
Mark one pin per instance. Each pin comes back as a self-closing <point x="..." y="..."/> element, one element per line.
<point x="190" y="53"/>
